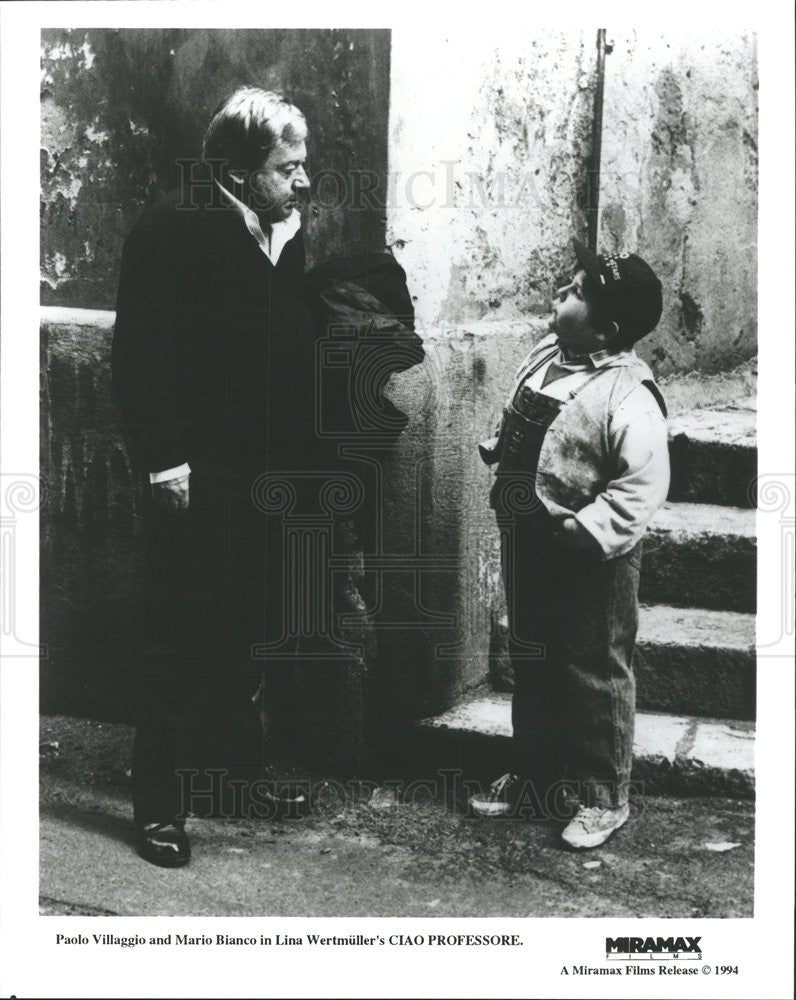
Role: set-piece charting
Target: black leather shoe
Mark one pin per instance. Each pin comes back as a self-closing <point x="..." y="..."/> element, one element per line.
<point x="164" y="844"/>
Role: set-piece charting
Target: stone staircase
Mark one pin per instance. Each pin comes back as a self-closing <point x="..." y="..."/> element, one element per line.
<point x="695" y="658"/>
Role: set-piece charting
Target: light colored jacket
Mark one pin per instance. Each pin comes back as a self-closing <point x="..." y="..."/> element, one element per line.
<point x="605" y="458"/>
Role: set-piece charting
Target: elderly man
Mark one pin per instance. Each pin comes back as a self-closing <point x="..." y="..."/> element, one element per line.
<point x="213" y="364"/>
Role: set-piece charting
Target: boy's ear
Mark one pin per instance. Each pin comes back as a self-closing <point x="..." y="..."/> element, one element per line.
<point x="609" y="333"/>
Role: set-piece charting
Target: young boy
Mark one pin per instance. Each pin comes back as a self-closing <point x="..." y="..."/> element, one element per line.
<point x="583" y="466"/>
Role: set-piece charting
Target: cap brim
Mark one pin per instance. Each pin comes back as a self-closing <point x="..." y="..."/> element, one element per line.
<point x="587" y="259"/>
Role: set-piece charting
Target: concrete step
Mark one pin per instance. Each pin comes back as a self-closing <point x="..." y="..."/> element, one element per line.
<point x="672" y="753"/>
<point x="696" y="662"/>
<point x="714" y="455"/>
<point x="688" y="660"/>
<point x="700" y="555"/>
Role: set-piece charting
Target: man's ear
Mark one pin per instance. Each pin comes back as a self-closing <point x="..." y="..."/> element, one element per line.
<point x="258" y="182"/>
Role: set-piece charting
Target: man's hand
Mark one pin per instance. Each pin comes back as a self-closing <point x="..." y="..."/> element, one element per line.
<point x="173" y="494"/>
<point x="572" y="533"/>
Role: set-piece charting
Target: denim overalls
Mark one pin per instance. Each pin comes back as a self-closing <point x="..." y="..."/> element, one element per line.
<point x="572" y="625"/>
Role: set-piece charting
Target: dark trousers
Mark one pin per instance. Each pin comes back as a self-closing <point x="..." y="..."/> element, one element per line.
<point x="215" y="592"/>
<point x="572" y="631"/>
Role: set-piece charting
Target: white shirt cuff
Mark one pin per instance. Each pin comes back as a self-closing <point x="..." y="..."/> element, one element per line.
<point x="167" y="474"/>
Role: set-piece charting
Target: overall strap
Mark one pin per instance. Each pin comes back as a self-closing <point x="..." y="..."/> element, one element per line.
<point x="656" y="392"/>
<point x="535" y="363"/>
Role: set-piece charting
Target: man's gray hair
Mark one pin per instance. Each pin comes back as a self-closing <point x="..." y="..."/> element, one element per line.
<point x="246" y="127"/>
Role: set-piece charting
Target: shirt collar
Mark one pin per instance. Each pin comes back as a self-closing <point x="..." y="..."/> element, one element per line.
<point x="598" y="359"/>
<point x="280" y="232"/>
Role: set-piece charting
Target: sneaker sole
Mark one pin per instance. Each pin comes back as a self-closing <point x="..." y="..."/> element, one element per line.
<point x="595" y="840"/>
<point x="491" y="810"/>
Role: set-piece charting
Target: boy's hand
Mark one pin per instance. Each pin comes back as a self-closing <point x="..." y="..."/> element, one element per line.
<point x="572" y="533"/>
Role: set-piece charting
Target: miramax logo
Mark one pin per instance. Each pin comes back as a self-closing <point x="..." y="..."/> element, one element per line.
<point x="634" y="949"/>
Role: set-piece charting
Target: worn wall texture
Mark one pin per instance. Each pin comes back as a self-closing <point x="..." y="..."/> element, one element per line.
<point x="487" y="151"/>
<point x="488" y="147"/>
<point x="488" y="140"/>
<point x="120" y="107"/>
<point x="679" y="182"/>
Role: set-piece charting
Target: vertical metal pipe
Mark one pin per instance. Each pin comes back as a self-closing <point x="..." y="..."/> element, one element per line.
<point x="593" y="173"/>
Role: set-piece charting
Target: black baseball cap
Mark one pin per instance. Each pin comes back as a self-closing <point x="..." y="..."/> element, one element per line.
<point x="631" y="293"/>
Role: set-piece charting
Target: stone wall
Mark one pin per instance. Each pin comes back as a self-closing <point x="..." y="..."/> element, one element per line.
<point x="91" y="536"/>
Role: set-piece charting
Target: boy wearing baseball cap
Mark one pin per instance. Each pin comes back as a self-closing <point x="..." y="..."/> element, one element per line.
<point x="582" y="465"/>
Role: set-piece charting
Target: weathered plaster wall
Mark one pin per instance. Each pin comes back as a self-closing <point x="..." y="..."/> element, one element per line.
<point x="119" y="107"/>
<point x="488" y="148"/>
<point x="488" y="138"/>
<point x="102" y="153"/>
<point x="679" y="183"/>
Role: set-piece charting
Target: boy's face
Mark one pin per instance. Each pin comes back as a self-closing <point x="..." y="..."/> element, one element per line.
<point x="571" y="319"/>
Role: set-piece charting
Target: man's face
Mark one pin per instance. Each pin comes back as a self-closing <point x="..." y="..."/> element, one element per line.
<point x="280" y="183"/>
<point x="571" y="318"/>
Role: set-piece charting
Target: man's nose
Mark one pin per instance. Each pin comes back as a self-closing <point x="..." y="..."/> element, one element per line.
<point x="301" y="181"/>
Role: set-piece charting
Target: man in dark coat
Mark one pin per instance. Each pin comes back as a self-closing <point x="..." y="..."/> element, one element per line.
<point x="214" y="365"/>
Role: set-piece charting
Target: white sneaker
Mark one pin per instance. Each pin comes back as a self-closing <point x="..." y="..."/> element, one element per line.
<point x="593" y="825"/>
<point x="498" y="801"/>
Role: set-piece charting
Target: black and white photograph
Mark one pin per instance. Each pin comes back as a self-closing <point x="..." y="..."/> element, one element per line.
<point x="398" y="502"/>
